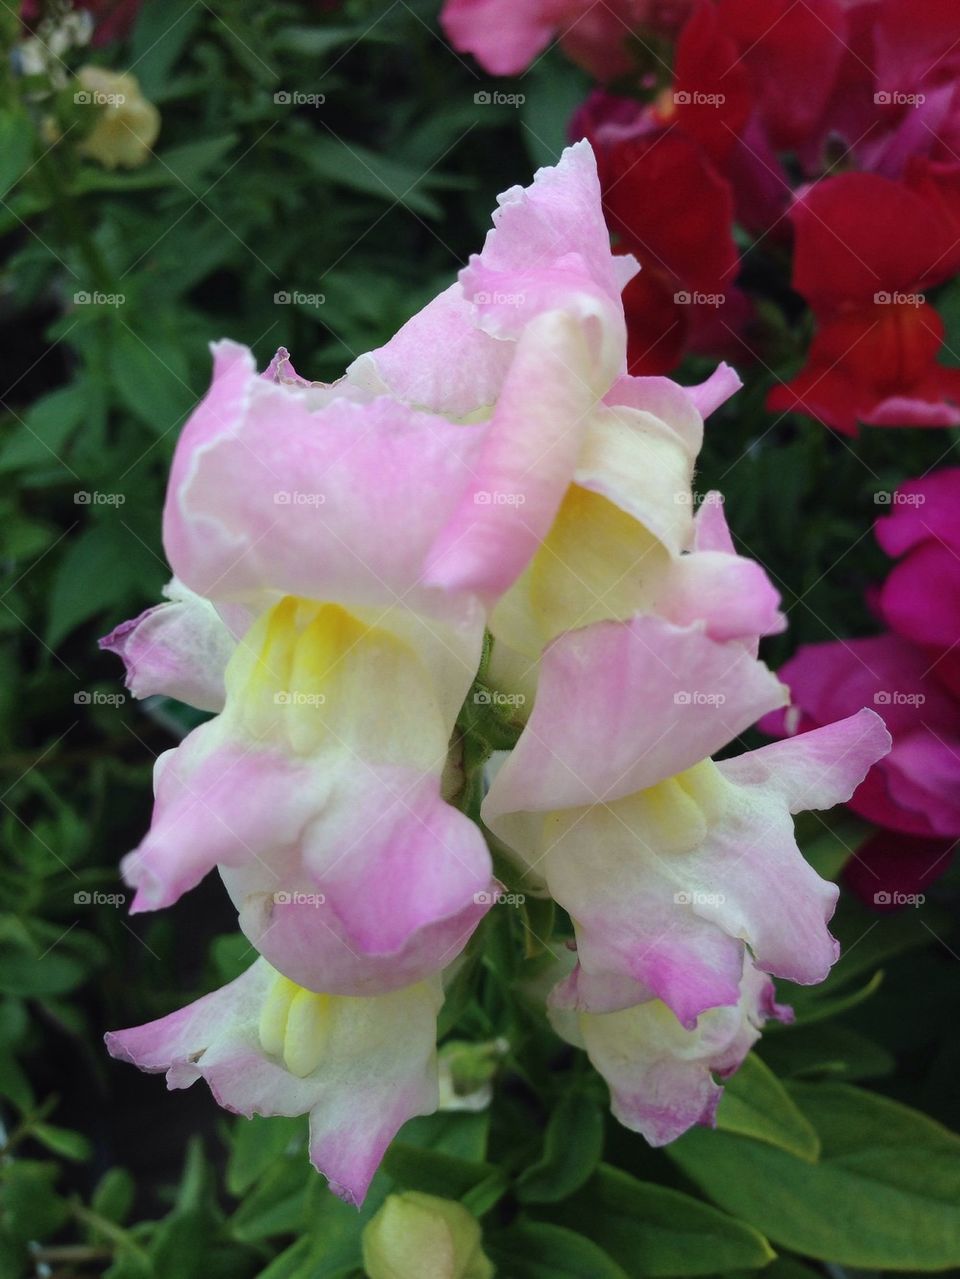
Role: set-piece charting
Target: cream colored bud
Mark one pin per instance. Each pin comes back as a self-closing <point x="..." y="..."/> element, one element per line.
<point x="126" y="125"/>
<point x="417" y="1236"/>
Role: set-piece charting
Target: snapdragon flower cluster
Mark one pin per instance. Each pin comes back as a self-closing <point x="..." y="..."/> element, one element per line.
<point x="492" y="487"/>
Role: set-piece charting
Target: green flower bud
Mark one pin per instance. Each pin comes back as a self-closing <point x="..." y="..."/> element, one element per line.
<point x="417" y="1236"/>
<point x="466" y="1073"/>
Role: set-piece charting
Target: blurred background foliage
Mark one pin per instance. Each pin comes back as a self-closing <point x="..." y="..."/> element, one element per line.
<point x="321" y="227"/>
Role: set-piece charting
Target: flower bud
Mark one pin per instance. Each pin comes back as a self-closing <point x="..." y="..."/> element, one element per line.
<point x="418" y="1236"/>
<point x="467" y="1071"/>
<point x="127" y="124"/>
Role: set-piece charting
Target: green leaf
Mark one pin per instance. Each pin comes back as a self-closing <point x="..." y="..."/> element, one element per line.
<point x="102" y="569"/>
<point x="34" y="977"/>
<point x="40" y="438"/>
<point x="63" y="1141"/>
<point x="114" y="1195"/>
<point x="831" y="1005"/>
<point x="29" y="1207"/>
<point x="653" y="1231"/>
<point x="535" y="1250"/>
<point x="459" y="1132"/>
<point x="14" y="1083"/>
<point x="150" y="376"/>
<point x="257" y="1142"/>
<point x="178" y="1249"/>
<point x="554" y="89"/>
<point x="369" y="172"/>
<point x="163" y="29"/>
<point x="313" y="42"/>
<point x="433" y="1172"/>
<point x="885" y="1193"/>
<point x="572" y="1148"/>
<point x="756" y="1104"/>
<point x="16" y="148"/>
<point x="826" y="1050"/>
<point x="277" y="1203"/>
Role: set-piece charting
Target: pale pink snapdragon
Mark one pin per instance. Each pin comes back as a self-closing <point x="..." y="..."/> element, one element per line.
<point x="339" y="554"/>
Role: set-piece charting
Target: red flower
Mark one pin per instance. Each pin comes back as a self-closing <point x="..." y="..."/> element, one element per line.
<point x="866" y="247"/>
<point x="793" y="52"/>
<point x="667" y="204"/>
<point x="891" y="870"/>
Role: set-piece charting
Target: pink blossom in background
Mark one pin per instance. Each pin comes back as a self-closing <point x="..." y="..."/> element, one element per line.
<point x="505" y="36"/>
<point x="910" y="677"/>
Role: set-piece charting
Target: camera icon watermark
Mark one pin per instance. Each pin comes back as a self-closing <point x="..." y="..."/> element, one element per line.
<point x="285" y="297"/>
<point x="85" y="298"/>
<point x="896" y="898"/>
<point x="97" y="98"/>
<point x="893" y="697"/>
<point x="696" y="697"/>
<point x="499" y="898"/>
<point x="294" y="98"/>
<point x="494" y="98"/>
<point x="686" y="297"/>
<point x="694" y="897"/>
<point x="296" y="898"/>
<point x="294" y="698"/>
<point x="894" y="98"/>
<point x="896" y="298"/>
<point x="94" y="698"/>
<point x="294" y="497"/>
<point x="693" y="98"/>
<point x="86" y="497"/>
<point x="886" y="497"/>
<point x="486" y="497"/>
<point x="493" y="697"/>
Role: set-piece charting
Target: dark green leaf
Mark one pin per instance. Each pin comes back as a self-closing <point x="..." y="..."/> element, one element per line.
<point x="572" y="1148"/>
<point x="885" y="1193"/>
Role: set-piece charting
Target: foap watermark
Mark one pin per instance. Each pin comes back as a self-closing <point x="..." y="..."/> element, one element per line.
<point x="288" y="297"/>
<point x="291" y="697"/>
<point x="499" y="299"/>
<point x="896" y="298"/>
<point x="694" y="98"/>
<point x="295" y="898"/>
<point x="895" y="98"/>
<point x="296" y="98"/>
<point x="96" y="898"/>
<point x="893" y="697"/>
<point x="487" y="497"/>
<point x="690" y="497"/>
<point x="697" y="697"/>
<point x="499" y="898"/>
<point x="493" y="697"/>
<point x="494" y="98"/>
<point x="87" y="697"/>
<point x="96" y="298"/>
<point x="88" y="497"/>
<point x="693" y="897"/>
<point x="295" y="497"/>
<point x="97" y="98"/>
<point x="686" y="297"/>
<point x="896" y="898"/>
<point x="887" y="497"/>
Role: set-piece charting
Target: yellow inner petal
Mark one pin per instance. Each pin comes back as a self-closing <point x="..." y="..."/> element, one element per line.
<point x="312" y="673"/>
<point x="675" y="815"/>
<point x="296" y="1025"/>
<point x="596" y="563"/>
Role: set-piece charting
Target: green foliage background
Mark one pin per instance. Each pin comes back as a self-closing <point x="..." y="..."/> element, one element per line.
<point x="830" y="1152"/>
